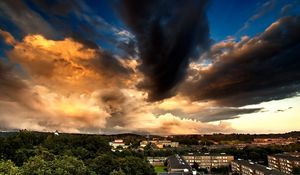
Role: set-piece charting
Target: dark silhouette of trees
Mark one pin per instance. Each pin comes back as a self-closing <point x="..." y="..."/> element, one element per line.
<point x="34" y="153"/>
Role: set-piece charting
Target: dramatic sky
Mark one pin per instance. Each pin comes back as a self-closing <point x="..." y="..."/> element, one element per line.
<point x="159" y="67"/>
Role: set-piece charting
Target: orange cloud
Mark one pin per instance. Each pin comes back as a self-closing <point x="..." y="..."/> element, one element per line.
<point x="82" y="89"/>
<point x="169" y="124"/>
<point x="67" y="65"/>
<point x="8" y="38"/>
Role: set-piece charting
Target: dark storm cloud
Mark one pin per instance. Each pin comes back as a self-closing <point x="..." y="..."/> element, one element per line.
<point x="9" y="83"/>
<point x="89" y="26"/>
<point x="263" y="68"/>
<point x="109" y="66"/>
<point x="211" y="114"/>
<point x="168" y="33"/>
<point x="57" y="19"/>
<point x="225" y="114"/>
<point x="113" y="101"/>
<point x="26" y="20"/>
<point x="13" y="89"/>
<point x="56" y="7"/>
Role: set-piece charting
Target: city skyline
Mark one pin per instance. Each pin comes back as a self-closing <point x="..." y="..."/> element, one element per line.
<point x="157" y="67"/>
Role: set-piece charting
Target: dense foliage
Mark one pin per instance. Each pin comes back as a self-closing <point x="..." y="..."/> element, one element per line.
<point x="219" y="137"/>
<point x="35" y="153"/>
<point x="32" y="153"/>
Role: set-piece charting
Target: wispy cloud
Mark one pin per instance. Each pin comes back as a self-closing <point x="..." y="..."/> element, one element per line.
<point x="288" y="8"/>
<point x="263" y="10"/>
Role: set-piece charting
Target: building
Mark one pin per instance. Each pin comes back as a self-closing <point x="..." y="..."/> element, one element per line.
<point x="177" y="164"/>
<point x="273" y="141"/>
<point x="209" y="160"/>
<point x="284" y="162"/>
<point x="244" y="167"/>
<point x="160" y="143"/>
<point x="166" y="143"/>
<point x="155" y="161"/>
<point x="144" y="143"/>
<point x="117" y="144"/>
<point x="56" y="133"/>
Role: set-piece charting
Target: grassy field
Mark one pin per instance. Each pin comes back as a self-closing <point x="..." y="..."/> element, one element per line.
<point x="159" y="169"/>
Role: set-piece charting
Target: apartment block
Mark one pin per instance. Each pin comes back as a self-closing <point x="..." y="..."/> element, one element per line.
<point x="209" y="160"/>
<point x="177" y="164"/>
<point x="244" y="167"/>
<point x="284" y="162"/>
<point x="160" y="143"/>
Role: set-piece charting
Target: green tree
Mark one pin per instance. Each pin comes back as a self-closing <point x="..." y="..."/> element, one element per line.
<point x="62" y="165"/>
<point x="80" y="152"/>
<point x="36" y="166"/>
<point x="135" y="166"/>
<point x="68" y="165"/>
<point x="23" y="154"/>
<point x="103" y="164"/>
<point x="8" y="168"/>
<point x="44" y="153"/>
<point x="120" y="172"/>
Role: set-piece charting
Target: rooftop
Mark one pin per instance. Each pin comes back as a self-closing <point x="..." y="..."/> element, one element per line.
<point x="207" y="154"/>
<point x="254" y="166"/>
<point x="177" y="162"/>
<point x="118" y="141"/>
<point x="287" y="157"/>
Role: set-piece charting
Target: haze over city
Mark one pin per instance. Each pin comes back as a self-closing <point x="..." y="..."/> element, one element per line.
<point x="150" y="67"/>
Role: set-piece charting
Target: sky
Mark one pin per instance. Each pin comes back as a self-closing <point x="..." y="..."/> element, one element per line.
<point x="150" y="67"/>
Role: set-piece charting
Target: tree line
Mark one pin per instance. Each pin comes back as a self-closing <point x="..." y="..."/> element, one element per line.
<point x="32" y="153"/>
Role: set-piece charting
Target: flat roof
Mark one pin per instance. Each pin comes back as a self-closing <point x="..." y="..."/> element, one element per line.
<point x="178" y="162"/>
<point x="255" y="166"/>
<point x="207" y="154"/>
<point x="287" y="157"/>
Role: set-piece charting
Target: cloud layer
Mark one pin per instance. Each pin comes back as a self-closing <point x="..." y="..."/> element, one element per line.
<point x="94" y="77"/>
<point x="262" y="68"/>
<point x="74" y="88"/>
<point x="68" y="65"/>
<point x="168" y="33"/>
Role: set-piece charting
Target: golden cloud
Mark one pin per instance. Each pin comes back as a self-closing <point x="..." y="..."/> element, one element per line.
<point x="82" y="89"/>
<point x="8" y="38"/>
<point x="67" y="63"/>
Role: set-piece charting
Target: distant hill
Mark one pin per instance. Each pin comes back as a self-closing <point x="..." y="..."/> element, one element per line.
<point x="216" y="136"/>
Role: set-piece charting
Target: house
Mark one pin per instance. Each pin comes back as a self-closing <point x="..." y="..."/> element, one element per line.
<point x="155" y="161"/>
<point x="118" y="145"/>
